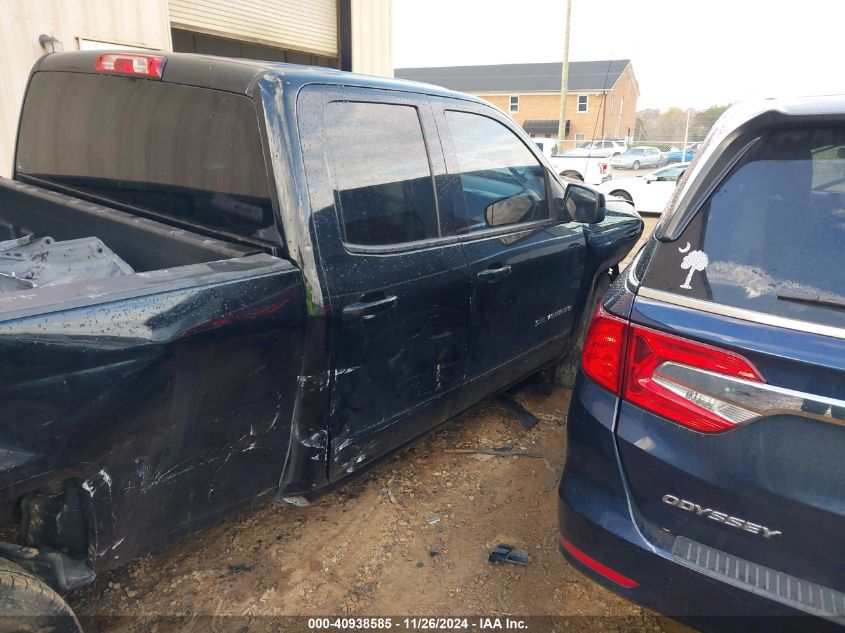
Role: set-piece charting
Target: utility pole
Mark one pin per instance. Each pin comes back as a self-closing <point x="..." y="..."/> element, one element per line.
<point x="603" y="113"/>
<point x="564" y="81"/>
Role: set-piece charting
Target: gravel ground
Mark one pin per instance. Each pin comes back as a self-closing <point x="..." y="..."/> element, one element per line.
<point x="410" y="537"/>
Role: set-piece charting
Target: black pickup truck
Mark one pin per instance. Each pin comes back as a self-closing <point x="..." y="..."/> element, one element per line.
<point x="222" y="279"/>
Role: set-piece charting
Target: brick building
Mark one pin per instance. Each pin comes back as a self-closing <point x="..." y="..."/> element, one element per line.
<point x="601" y="99"/>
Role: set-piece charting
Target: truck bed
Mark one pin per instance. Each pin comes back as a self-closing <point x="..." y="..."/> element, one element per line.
<point x="149" y="388"/>
<point x="143" y="243"/>
<point x="161" y="257"/>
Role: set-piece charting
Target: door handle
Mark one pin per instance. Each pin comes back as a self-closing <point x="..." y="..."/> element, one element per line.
<point x="492" y="275"/>
<point x="364" y="309"/>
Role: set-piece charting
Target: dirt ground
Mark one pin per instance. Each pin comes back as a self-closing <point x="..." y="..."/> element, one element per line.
<point x="410" y="537"/>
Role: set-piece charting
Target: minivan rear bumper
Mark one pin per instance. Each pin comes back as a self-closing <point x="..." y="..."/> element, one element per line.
<point x="596" y="517"/>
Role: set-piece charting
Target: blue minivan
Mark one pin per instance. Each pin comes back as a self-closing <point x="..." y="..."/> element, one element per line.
<point x="705" y="470"/>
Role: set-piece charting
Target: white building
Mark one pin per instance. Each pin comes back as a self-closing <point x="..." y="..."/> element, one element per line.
<point x="348" y="34"/>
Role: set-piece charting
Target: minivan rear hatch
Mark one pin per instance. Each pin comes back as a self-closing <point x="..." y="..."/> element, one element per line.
<point x="732" y="430"/>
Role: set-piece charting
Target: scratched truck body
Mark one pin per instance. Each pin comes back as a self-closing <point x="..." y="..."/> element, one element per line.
<point x="258" y="279"/>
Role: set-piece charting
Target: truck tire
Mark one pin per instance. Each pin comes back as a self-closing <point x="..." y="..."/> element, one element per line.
<point x="563" y="374"/>
<point x="572" y="174"/>
<point x="28" y="605"/>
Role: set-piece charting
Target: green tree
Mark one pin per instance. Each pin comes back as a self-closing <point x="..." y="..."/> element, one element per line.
<point x="703" y="120"/>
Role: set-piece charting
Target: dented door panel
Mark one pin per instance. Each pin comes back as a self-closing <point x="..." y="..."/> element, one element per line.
<point x="398" y="322"/>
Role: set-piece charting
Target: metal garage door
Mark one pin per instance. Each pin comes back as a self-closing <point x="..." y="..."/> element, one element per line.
<point x="303" y="25"/>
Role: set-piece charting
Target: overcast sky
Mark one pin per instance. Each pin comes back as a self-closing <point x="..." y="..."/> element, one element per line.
<point x="686" y="53"/>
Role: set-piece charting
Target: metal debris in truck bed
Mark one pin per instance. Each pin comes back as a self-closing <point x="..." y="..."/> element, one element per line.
<point x="27" y="262"/>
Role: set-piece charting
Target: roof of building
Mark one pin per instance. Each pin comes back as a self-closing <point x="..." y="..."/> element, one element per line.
<point x="520" y="78"/>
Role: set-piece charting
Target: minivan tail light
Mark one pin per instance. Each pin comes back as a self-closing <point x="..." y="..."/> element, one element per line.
<point x="660" y="373"/>
<point x="604" y="350"/>
<point x="655" y="361"/>
<point x="132" y="64"/>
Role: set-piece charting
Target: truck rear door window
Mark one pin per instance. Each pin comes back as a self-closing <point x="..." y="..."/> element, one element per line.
<point x="381" y="173"/>
<point x="190" y="153"/>
<point x="771" y="237"/>
<point x="503" y="182"/>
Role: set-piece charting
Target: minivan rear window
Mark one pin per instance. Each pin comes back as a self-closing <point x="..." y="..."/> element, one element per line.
<point x="771" y="237"/>
<point x="190" y="153"/>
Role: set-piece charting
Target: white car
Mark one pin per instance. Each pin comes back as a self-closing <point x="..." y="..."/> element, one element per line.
<point x="648" y="194"/>
<point x="636" y="157"/>
<point x="546" y="145"/>
<point x="599" y="149"/>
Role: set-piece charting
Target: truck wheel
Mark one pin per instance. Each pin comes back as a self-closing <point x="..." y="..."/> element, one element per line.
<point x="563" y="374"/>
<point x="572" y="174"/>
<point x="29" y="605"/>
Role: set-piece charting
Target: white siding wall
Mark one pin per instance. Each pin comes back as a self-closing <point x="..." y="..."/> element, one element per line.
<point x="302" y="25"/>
<point x="305" y="25"/>
<point x="372" y="37"/>
<point x="140" y="23"/>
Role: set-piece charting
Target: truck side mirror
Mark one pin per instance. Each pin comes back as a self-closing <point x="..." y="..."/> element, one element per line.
<point x="581" y="204"/>
<point x="508" y="210"/>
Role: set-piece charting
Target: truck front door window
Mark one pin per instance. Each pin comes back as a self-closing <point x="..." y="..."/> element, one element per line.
<point x="381" y="174"/>
<point x="502" y="181"/>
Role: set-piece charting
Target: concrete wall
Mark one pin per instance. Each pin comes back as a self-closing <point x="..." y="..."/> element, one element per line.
<point x="372" y="37"/>
<point x="142" y="23"/>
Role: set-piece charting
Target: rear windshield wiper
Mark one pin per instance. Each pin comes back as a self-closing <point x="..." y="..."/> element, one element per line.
<point x="813" y="299"/>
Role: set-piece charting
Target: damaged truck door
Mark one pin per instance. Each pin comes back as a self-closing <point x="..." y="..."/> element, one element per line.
<point x="396" y="277"/>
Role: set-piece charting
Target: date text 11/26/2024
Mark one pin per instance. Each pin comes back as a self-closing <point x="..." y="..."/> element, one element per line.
<point x="418" y="624"/>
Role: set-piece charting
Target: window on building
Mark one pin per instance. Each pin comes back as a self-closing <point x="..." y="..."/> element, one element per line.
<point x="621" y="105"/>
<point x="502" y="181"/>
<point x="380" y="172"/>
<point x="514" y="103"/>
<point x="582" y="103"/>
<point x="579" y="137"/>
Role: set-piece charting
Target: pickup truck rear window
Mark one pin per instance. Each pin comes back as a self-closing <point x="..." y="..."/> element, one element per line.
<point x="771" y="237"/>
<point x="190" y="153"/>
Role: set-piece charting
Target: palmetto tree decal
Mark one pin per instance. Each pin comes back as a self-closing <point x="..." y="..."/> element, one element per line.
<point x="694" y="261"/>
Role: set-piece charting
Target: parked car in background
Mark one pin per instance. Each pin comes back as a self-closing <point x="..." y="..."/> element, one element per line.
<point x="677" y="155"/>
<point x="212" y="180"/>
<point x="599" y="149"/>
<point x="649" y="193"/>
<point x="546" y="145"/>
<point x="704" y="465"/>
<point x="589" y="169"/>
<point x="637" y="157"/>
